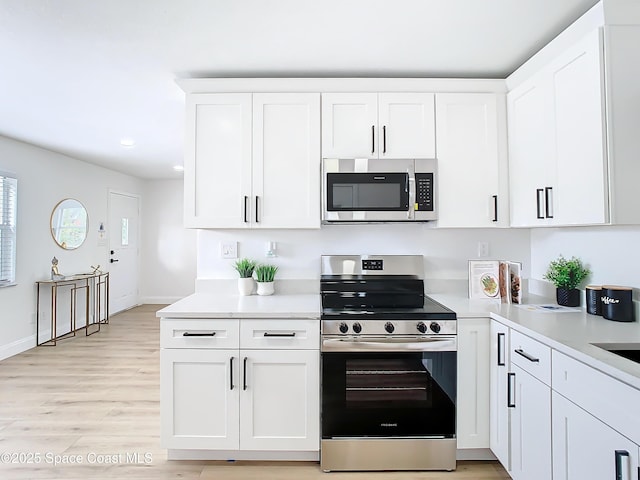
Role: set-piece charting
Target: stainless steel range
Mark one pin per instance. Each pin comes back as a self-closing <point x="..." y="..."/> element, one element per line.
<point x="389" y="366"/>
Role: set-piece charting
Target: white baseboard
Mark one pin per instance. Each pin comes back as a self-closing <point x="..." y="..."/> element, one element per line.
<point x="231" y="455"/>
<point x="17" y="347"/>
<point x="158" y="300"/>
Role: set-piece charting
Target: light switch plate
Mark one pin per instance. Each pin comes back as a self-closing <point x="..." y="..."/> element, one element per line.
<point x="229" y="249"/>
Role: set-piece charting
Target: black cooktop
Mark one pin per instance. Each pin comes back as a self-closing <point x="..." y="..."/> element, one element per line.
<point x="430" y="310"/>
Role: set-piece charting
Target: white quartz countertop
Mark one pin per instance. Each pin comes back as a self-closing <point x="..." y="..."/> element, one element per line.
<point x="570" y="333"/>
<point x="233" y="305"/>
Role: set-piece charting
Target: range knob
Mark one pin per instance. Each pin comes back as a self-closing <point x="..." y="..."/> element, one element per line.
<point x="389" y="327"/>
<point x="422" y="328"/>
<point x="343" y="327"/>
<point x="357" y="328"/>
<point x="435" y="327"/>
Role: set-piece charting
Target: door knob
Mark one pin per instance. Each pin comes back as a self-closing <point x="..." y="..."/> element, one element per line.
<point x="113" y="261"/>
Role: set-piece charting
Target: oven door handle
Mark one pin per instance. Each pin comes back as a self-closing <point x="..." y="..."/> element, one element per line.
<point x="422" y="345"/>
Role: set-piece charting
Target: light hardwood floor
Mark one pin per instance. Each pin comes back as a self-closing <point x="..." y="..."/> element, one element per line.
<point x="95" y="400"/>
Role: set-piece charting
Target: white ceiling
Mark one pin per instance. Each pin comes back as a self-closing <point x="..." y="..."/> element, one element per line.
<point x="77" y="76"/>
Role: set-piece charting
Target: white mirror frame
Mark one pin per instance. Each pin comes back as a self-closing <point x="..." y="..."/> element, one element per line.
<point x="69" y="224"/>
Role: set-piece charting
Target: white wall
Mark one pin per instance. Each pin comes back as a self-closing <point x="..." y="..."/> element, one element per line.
<point x="45" y="178"/>
<point x="446" y="251"/>
<point x="610" y="252"/>
<point x="168" y="263"/>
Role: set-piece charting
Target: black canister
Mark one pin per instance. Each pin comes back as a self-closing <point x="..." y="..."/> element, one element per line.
<point x="593" y="299"/>
<point x="617" y="303"/>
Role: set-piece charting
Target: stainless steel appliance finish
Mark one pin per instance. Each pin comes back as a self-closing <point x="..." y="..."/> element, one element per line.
<point x="378" y="190"/>
<point x="388" y="367"/>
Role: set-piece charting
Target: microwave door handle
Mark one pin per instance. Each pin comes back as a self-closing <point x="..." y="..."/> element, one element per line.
<point x="412" y="196"/>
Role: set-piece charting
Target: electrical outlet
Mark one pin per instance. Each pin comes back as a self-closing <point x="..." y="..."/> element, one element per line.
<point x="229" y="249"/>
<point x="483" y="249"/>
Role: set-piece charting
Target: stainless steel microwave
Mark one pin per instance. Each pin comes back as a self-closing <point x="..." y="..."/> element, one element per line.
<point x="378" y="190"/>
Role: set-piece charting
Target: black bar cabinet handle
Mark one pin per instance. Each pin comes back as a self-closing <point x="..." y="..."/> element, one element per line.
<point x="538" y="206"/>
<point x="231" y="373"/>
<point x="373" y="138"/>
<point x="244" y="373"/>
<point x="246" y="199"/>
<point x="384" y="139"/>
<point x="548" y="201"/>
<point x="291" y="334"/>
<point x="501" y="350"/>
<point x="510" y="392"/>
<point x="620" y="454"/>
<point x="189" y="334"/>
<point x="524" y="354"/>
<point x="495" y="208"/>
<point x="257" y="199"/>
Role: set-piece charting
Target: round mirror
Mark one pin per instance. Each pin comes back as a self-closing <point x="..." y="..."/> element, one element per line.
<point x="69" y="224"/>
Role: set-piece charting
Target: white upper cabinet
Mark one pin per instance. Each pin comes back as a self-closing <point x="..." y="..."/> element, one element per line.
<point x="472" y="161"/>
<point x="349" y="123"/>
<point x="378" y="125"/>
<point x="286" y="160"/>
<point x="570" y="140"/>
<point x="556" y="133"/>
<point x="217" y="164"/>
<point x="406" y="125"/>
<point x="252" y="160"/>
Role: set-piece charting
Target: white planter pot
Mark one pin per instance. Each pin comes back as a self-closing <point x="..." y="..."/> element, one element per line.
<point x="245" y="286"/>
<point x="265" y="288"/>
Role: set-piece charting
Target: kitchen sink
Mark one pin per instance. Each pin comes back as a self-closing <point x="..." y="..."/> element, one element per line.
<point x="630" y="351"/>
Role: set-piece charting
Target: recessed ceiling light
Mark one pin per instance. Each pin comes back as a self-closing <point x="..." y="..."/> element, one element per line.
<point x="178" y="168"/>
<point x="127" y="142"/>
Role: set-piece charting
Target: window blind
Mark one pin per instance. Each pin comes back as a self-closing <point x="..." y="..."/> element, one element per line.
<point x="8" y="204"/>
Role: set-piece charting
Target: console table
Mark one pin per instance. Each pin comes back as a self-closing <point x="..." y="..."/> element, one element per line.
<point x="95" y="290"/>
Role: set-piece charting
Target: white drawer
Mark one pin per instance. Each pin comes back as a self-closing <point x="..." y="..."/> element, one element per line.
<point x="531" y="355"/>
<point x="199" y="333"/>
<point x="280" y="334"/>
<point x="613" y="402"/>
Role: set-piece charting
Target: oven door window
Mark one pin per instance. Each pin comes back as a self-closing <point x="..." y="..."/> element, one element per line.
<point x="367" y="192"/>
<point x="388" y="394"/>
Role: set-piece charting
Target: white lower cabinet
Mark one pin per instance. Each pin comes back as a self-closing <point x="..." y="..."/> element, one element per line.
<point x="530" y="426"/>
<point x="199" y="394"/>
<point x="472" y="430"/>
<point x="584" y="447"/>
<point x="520" y="403"/>
<point x="279" y="403"/>
<point x="499" y="426"/>
<point x="240" y="399"/>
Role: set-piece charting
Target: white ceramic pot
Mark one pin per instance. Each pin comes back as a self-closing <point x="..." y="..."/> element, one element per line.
<point x="265" y="288"/>
<point x="245" y="286"/>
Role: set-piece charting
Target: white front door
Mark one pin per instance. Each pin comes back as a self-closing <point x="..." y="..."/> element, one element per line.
<point x="123" y="251"/>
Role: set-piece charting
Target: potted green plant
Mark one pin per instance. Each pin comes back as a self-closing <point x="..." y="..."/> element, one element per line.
<point x="245" y="268"/>
<point x="567" y="275"/>
<point x="265" y="275"/>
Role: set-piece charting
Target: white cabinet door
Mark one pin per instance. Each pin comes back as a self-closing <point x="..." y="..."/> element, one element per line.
<point x="499" y="425"/>
<point x="286" y="160"/>
<point x="530" y="427"/>
<point x="531" y="154"/>
<point x="472" y="161"/>
<point x="280" y="400"/>
<point x="472" y="408"/>
<point x="217" y="162"/>
<point x="581" y="194"/>
<point x="584" y="447"/>
<point x="200" y="398"/>
<point x="349" y="125"/>
<point x="406" y="125"/>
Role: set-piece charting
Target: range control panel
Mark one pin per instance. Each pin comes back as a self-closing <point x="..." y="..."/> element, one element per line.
<point x="372" y="264"/>
<point x="424" y="192"/>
